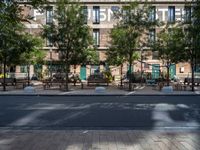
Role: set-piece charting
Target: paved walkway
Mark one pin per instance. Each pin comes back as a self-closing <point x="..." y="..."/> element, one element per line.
<point x="110" y="90"/>
<point x="99" y="140"/>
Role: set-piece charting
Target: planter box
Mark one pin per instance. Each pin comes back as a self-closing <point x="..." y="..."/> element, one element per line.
<point x="167" y="89"/>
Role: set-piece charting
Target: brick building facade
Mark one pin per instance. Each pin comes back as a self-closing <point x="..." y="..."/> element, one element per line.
<point x="101" y="20"/>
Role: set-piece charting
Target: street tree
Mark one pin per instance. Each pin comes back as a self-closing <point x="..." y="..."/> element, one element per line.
<point x="170" y="45"/>
<point x="192" y="36"/>
<point x="13" y="38"/>
<point x="127" y="36"/>
<point x="115" y="53"/>
<point x="32" y="53"/>
<point x="10" y="34"/>
<point x="69" y="34"/>
<point x="114" y="58"/>
<point x="82" y="58"/>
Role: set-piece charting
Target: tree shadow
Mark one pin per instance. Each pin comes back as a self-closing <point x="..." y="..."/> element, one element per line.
<point x="99" y="123"/>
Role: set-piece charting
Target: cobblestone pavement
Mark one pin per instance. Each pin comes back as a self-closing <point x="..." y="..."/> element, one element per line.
<point x="99" y="140"/>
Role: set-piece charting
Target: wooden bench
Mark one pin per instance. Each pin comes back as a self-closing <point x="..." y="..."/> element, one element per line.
<point x="17" y="83"/>
<point x="21" y="83"/>
<point x="63" y="84"/>
<point x="98" y="82"/>
<point x="8" y="82"/>
<point x="47" y="84"/>
<point x="74" y="82"/>
<point x="188" y="81"/>
<point x="125" y="85"/>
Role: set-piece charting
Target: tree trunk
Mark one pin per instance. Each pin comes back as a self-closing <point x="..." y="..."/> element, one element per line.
<point x="74" y="69"/>
<point x="130" y="75"/>
<point x="141" y="82"/>
<point x="4" y="75"/>
<point x="67" y="78"/>
<point x="28" y="75"/>
<point x="74" y="75"/>
<point x="121" y="75"/>
<point x="192" y="67"/>
<point x="168" y="74"/>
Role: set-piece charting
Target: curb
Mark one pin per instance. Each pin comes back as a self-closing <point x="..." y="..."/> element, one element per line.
<point x="105" y="128"/>
<point x="103" y="95"/>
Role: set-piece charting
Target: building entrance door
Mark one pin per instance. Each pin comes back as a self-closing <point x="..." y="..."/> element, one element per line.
<point x="129" y="69"/>
<point x="83" y="73"/>
<point x="172" y="71"/>
<point x="155" y="71"/>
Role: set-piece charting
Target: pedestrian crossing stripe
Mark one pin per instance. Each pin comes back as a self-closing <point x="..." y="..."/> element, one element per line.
<point x="197" y="92"/>
<point x="142" y="87"/>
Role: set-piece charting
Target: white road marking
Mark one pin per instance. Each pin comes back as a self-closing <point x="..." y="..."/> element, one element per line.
<point x="197" y="92"/>
<point x="29" y="118"/>
<point x="142" y="87"/>
<point x="130" y="93"/>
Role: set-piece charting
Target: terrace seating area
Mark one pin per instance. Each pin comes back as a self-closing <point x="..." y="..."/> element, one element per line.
<point x="60" y="82"/>
<point x="177" y="85"/>
<point x="16" y="83"/>
<point x="97" y="79"/>
<point x="188" y="81"/>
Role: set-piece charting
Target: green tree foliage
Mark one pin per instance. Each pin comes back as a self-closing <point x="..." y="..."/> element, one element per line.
<point x="10" y="38"/>
<point x="127" y="37"/>
<point x="70" y="34"/>
<point x="13" y="39"/>
<point x="170" y="45"/>
<point x="115" y="53"/>
<point x="39" y="3"/>
<point x="32" y="50"/>
<point x="32" y="54"/>
<point x="192" y="37"/>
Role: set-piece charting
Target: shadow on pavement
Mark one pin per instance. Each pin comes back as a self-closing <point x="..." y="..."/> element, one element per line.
<point x="69" y="122"/>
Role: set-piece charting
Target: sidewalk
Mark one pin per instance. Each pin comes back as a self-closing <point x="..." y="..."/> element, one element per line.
<point x="110" y="90"/>
<point x="99" y="140"/>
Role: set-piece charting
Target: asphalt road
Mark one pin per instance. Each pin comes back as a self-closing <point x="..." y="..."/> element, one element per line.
<point x="100" y="112"/>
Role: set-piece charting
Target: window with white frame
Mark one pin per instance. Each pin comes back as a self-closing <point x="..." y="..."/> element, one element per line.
<point x="49" y="42"/>
<point x="126" y="14"/>
<point x="85" y="13"/>
<point x="96" y="37"/>
<point x="171" y="14"/>
<point x="152" y="35"/>
<point x="49" y="15"/>
<point x="187" y="14"/>
<point x="96" y="14"/>
<point x="152" y="13"/>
